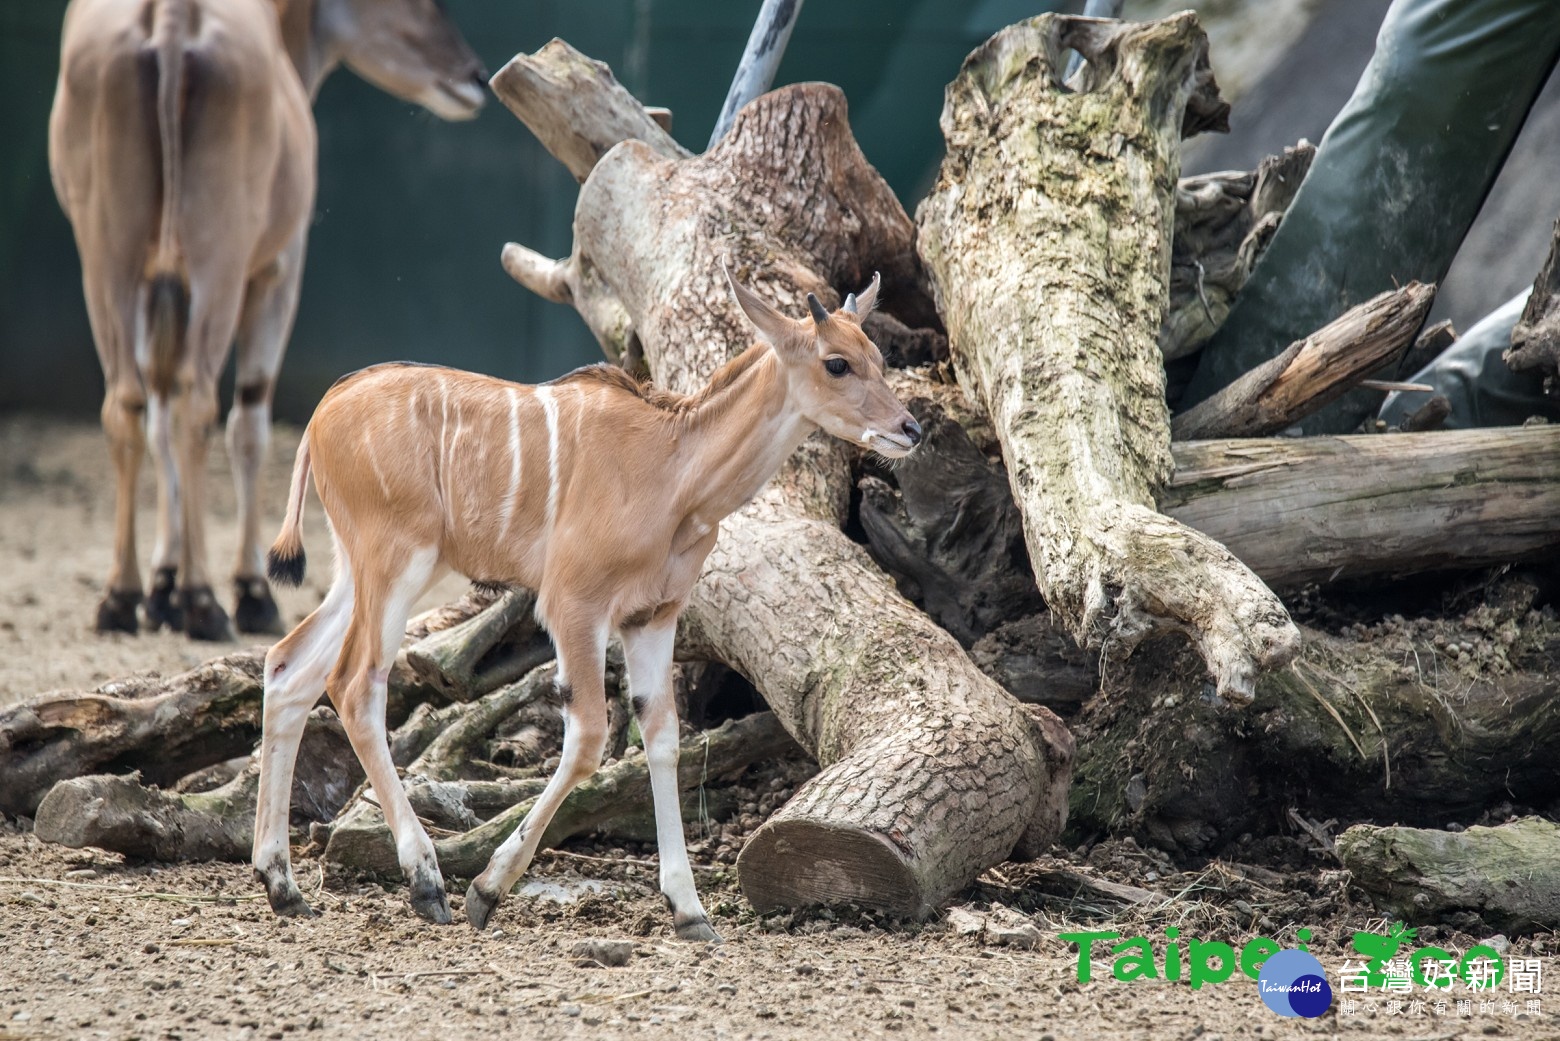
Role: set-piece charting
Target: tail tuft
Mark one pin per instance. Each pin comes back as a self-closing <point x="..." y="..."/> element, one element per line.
<point x="285" y="564"/>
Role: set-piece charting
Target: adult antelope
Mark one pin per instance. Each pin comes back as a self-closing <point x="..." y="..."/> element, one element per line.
<point x="601" y="494"/>
<point x="182" y="149"/>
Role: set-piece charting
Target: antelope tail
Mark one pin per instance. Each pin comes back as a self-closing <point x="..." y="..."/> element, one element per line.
<point x="285" y="563"/>
<point x="168" y="299"/>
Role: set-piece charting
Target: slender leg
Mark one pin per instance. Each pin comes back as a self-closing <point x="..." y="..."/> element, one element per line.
<point x="295" y="672"/>
<point x="162" y="607"/>
<point x="122" y="407"/>
<point x="216" y="295"/>
<point x="378" y="623"/>
<point x="111" y="308"/>
<point x="582" y="649"/>
<point x="270" y="303"/>
<point x="648" y="653"/>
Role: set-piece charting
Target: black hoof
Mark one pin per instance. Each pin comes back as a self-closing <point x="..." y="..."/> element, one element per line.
<point x="116" y="613"/>
<point x="695" y="930"/>
<point x="479" y="907"/>
<point x="162" y="607"/>
<point x="204" y="618"/>
<point x="255" y="611"/>
<point x="429" y="901"/>
<point x="287" y="902"/>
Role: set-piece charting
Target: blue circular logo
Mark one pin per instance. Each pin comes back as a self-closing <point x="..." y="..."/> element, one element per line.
<point x="1293" y="983"/>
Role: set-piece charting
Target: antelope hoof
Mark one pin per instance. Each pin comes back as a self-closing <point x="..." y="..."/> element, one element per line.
<point x="162" y="607"/>
<point x="255" y="610"/>
<point x="116" y="613"/>
<point x="479" y="907"/>
<point x="204" y="618"/>
<point x="429" y="901"/>
<point x="287" y="902"/>
<point x="696" y="930"/>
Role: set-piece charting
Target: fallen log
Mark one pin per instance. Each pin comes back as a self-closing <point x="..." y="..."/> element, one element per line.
<point x="498" y="645"/>
<point x="120" y="812"/>
<point x="1312" y="372"/>
<point x="1509" y="875"/>
<point x="360" y="840"/>
<point x="1401" y="731"/>
<point x="1295" y="511"/>
<point x="1319" y="509"/>
<point x="168" y="728"/>
<point x="788" y="201"/>
<point x="1223" y="223"/>
<point x="1047" y="238"/>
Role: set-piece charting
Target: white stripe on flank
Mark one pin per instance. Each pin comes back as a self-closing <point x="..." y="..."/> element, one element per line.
<point x="506" y="512"/>
<point x="550" y="409"/>
<point x="368" y="451"/>
<point x="444" y="445"/>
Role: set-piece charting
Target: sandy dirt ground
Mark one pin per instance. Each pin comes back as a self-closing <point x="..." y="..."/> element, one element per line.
<point x="97" y="948"/>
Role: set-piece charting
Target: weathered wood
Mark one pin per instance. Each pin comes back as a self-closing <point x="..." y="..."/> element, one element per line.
<point x="167" y="728"/>
<point x="448" y="754"/>
<point x="362" y="841"/>
<point x="1428" y="346"/>
<point x="1048" y="239"/>
<point x="1223" y="223"/>
<point x="1428" y="416"/>
<point x="1508" y="875"/>
<point x="496" y="646"/>
<point x="1323" y="508"/>
<point x="1351" y="731"/>
<point x="120" y="812"/>
<point x="1311" y="372"/>
<point x="1535" y="341"/>
<point x="790" y="203"/>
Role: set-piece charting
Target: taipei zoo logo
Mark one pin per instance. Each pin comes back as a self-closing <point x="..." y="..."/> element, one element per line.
<point x="1293" y="983"/>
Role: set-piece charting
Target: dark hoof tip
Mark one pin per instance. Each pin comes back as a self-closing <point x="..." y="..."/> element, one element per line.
<point x="433" y="905"/>
<point x="255" y="611"/>
<point x="116" y="613"/>
<point x="479" y="907"/>
<point x="290" y="904"/>
<point x="162" y="607"/>
<point x="697" y="930"/>
<point x="204" y="618"/>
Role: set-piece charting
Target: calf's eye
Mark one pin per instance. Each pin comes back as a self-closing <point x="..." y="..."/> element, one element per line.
<point x="837" y="366"/>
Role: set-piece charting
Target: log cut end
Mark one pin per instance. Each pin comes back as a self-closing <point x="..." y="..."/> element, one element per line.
<point x="803" y="863"/>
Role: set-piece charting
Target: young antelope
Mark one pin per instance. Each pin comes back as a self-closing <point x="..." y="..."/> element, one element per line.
<point x="601" y="494"/>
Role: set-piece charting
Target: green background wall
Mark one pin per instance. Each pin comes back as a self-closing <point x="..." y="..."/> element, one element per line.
<point x="412" y="212"/>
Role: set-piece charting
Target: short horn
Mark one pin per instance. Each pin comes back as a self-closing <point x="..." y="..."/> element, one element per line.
<point x="850" y="302"/>
<point x="819" y="312"/>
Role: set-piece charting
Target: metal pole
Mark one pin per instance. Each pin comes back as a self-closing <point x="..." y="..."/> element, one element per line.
<point x="1093" y="9"/>
<point x="760" y="61"/>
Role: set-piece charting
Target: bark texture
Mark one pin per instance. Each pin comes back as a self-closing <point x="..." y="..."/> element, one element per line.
<point x="1508" y="875"/>
<point x="1047" y="238"/>
<point x="933" y="769"/>
<point x="1312" y="372"/>
<point x="121" y="813"/>
<point x="1349" y="731"/>
<point x="1318" y="509"/>
<point x="1535" y="342"/>
<point x="1223" y="223"/>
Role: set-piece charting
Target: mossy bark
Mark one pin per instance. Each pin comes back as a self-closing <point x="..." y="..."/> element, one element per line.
<point x="1508" y="875"/>
<point x="1047" y="238"/>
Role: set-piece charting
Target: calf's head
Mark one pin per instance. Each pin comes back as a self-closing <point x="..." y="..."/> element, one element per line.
<point x="834" y="372"/>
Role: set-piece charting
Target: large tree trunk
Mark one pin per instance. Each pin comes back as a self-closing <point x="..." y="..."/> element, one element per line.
<point x="1048" y="241"/>
<point x="931" y="772"/>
